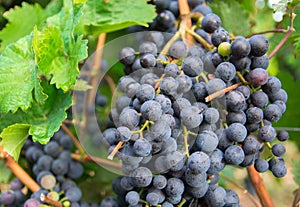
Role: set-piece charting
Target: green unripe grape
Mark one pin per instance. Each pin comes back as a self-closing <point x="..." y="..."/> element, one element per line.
<point x="224" y="49"/>
<point x="53" y="195"/>
<point x="66" y="203"/>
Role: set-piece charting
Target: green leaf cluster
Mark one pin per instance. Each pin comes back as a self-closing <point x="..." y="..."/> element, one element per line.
<point x="38" y="71"/>
<point x="41" y="49"/>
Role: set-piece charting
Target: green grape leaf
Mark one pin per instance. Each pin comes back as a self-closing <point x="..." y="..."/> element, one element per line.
<point x="5" y="173"/>
<point x="19" y="82"/>
<point x="234" y="17"/>
<point x="21" y="21"/>
<point x="13" y="139"/>
<point x="43" y="120"/>
<point x="296" y="171"/>
<point x="107" y="16"/>
<point x="53" y="7"/>
<point x="296" y="45"/>
<point x="56" y="50"/>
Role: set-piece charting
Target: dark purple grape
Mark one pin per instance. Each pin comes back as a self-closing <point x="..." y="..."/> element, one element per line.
<point x="259" y="99"/>
<point x="211" y="22"/>
<point x="283" y="135"/>
<point x="148" y="47"/>
<point x="278" y="150"/>
<point x="267" y="134"/>
<point x="73" y="194"/>
<point x="192" y="66"/>
<point x="258" y="77"/>
<point x="178" y="50"/>
<point x="235" y="100"/>
<point x="32" y="203"/>
<point x="272" y="113"/>
<point x="234" y="155"/>
<point x="226" y="71"/>
<point x="127" y="55"/>
<point x="165" y="20"/>
<point x="240" y="48"/>
<point x="7" y="197"/>
<point x="259" y="45"/>
<point x="260" y="62"/>
<point x="219" y="36"/>
<point x="261" y="165"/>
<point x="241" y="63"/>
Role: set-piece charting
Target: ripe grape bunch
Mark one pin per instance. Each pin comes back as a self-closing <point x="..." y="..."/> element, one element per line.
<point x="54" y="170"/>
<point x="188" y="111"/>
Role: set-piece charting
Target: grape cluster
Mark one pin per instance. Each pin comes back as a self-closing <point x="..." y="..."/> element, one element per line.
<point x="54" y="170"/>
<point x="186" y="114"/>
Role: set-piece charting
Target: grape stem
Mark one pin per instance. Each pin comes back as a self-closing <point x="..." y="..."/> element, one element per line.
<point x="48" y="200"/>
<point x="202" y="41"/>
<point x="296" y="202"/>
<point x="110" y="83"/>
<point x="93" y="78"/>
<point x="203" y="76"/>
<point x="259" y="187"/>
<point x="18" y="171"/>
<point x="287" y="35"/>
<point x="185" y="139"/>
<point x="186" y="22"/>
<point x="115" y="150"/>
<point x="252" y="198"/>
<point x="96" y="67"/>
<point x="89" y="158"/>
<point x="67" y="121"/>
<point x="223" y="91"/>
<point x="268" y="31"/>
<point x="242" y="79"/>
<point x="140" y="131"/>
<point x="167" y="46"/>
<point x="74" y="139"/>
<point x="182" y="202"/>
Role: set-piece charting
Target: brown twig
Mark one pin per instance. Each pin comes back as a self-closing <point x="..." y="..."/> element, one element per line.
<point x="268" y="31"/>
<point x="259" y="187"/>
<point x="98" y="160"/>
<point x="225" y="90"/>
<point x="115" y="150"/>
<point x="296" y="202"/>
<point x="96" y="67"/>
<point x="74" y="139"/>
<point x="186" y="22"/>
<point x="48" y="200"/>
<point x="200" y="39"/>
<point x="241" y="188"/>
<point x="287" y="35"/>
<point x="110" y="83"/>
<point x="67" y="121"/>
<point x="18" y="171"/>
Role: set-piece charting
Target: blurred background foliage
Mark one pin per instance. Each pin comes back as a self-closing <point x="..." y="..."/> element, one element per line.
<point x="241" y="17"/>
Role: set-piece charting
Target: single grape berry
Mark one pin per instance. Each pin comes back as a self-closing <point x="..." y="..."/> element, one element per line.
<point x="259" y="45"/>
<point x="258" y="76"/>
<point x="224" y="49"/>
<point x="240" y="48"/>
<point x="211" y="22"/>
